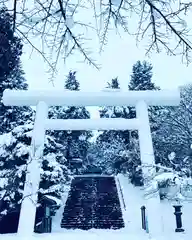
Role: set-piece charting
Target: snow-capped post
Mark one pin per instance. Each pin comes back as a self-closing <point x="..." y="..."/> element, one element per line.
<point x="143" y="217"/>
<point x="178" y="214"/>
<point x="29" y="203"/>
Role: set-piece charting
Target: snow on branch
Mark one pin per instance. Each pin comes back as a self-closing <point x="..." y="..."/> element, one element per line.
<point x="159" y="20"/>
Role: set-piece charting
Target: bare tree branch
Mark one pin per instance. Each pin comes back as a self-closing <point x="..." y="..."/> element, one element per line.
<point x="46" y="60"/>
<point x="162" y="22"/>
<point x="152" y="6"/>
<point x="76" y="42"/>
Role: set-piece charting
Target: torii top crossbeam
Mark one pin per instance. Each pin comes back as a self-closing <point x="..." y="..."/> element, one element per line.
<point x="78" y="98"/>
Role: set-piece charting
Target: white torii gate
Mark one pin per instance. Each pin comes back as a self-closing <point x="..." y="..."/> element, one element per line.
<point x="43" y="99"/>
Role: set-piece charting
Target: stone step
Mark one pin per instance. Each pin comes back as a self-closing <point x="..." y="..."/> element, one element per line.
<point x="92" y="203"/>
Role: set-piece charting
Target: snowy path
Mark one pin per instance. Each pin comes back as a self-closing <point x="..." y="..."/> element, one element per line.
<point x="133" y="203"/>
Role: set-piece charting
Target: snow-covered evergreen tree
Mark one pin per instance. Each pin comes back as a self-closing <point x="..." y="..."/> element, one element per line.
<point x="141" y="77"/>
<point x="15" y="151"/>
<point x="76" y="142"/>
<point x="71" y="82"/>
<point x="106" y="155"/>
<point x="16" y="127"/>
<point x="12" y="153"/>
<point x="141" y="80"/>
<point x="114" y="112"/>
<point x="10" y="46"/>
<point x="11" y="74"/>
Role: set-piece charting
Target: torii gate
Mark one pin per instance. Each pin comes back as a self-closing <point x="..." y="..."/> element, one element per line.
<point x="43" y="99"/>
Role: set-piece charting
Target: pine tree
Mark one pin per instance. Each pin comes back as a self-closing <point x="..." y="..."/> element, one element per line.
<point x="11" y="77"/>
<point x="11" y="74"/>
<point x="141" y="80"/>
<point x="114" y="84"/>
<point x="141" y="77"/>
<point x="106" y="155"/>
<point x="114" y="112"/>
<point x="10" y="46"/>
<point x="71" y="82"/>
<point x="15" y="150"/>
<point x="75" y="142"/>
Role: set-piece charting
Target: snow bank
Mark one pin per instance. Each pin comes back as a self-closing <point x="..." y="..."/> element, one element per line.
<point x="59" y="214"/>
<point x="133" y="198"/>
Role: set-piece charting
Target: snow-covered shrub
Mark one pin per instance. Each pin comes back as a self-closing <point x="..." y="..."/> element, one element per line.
<point x="171" y="185"/>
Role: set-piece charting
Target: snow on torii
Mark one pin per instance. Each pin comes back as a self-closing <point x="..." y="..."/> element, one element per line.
<point x="42" y="99"/>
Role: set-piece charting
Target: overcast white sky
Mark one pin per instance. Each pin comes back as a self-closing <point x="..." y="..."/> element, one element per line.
<point x="117" y="60"/>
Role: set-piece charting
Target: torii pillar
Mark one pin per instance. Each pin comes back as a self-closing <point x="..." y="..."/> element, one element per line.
<point x="43" y="99"/>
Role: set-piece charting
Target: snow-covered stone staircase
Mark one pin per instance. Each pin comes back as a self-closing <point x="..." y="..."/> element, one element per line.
<point x="93" y="202"/>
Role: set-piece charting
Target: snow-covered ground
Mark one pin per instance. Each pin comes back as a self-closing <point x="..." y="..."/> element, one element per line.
<point x="133" y="198"/>
<point x="98" y="235"/>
